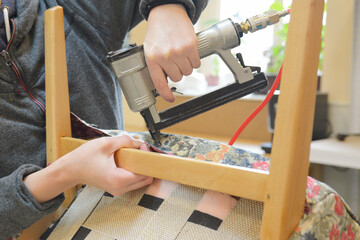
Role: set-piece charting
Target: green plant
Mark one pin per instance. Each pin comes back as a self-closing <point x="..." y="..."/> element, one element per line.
<point x="277" y="52"/>
<point x="216" y="66"/>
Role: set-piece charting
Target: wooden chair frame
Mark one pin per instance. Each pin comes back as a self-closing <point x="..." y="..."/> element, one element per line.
<point x="282" y="190"/>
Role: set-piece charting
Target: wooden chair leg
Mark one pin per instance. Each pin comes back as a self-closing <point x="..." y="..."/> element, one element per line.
<point x="285" y="195"/>
<point x="58" y="108"/>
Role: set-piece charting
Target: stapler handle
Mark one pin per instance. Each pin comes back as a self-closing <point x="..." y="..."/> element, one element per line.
<point x="220" y="39"/>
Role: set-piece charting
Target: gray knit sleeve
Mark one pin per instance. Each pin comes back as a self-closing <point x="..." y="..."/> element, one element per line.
<point x="18" y="208"/>
<point x="193" y="7"/>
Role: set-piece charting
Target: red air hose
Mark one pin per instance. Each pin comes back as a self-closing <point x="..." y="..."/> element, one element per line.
<point x="259" y="108"/>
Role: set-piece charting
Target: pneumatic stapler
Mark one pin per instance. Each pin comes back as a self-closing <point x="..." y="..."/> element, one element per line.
<point x="130" y="68"/>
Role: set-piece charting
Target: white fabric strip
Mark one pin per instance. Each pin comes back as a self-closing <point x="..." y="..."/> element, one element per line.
<point x="120" y="217"/>
<point x="173" y="214"/>
<point x="243" y="223"/>
<point x="77" y="213"/>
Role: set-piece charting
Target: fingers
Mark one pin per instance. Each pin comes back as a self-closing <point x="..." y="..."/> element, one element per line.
<point x="127" y="178"/>
<point x="187" y="56"/>
<point x="123" y="181"/>
<point x="176" y="64"/>
<point x="172" y="70"/>
<point x="140" y="184"/>
<point x="194" y="59"/>
<point x="159" y="80"/>
<point x="112" y="144"/>
<point x="144" y="147"/>
<point x="170" y="46"/>
<point x="183" y="65"/>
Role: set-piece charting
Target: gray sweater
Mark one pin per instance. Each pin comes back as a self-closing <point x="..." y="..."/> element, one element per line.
<point x="92" y="29"/>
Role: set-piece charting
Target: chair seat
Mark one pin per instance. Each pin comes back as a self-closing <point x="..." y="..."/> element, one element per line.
<point x="175" y="211"/>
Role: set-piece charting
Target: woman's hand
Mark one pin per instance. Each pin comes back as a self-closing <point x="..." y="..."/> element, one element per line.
<point x="170" y="46"/>
<point x="92" y="163"/>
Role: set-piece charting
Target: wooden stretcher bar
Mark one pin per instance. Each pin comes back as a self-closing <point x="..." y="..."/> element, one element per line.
<point x="202" y="174"/>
